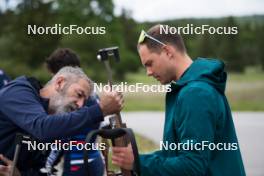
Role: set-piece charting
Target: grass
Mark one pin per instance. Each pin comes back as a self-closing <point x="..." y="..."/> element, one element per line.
<point x="144" y="101"/>
<point x="140" y="77"/>
<point x="245" y="92"/>
<point x="145" y="145"/>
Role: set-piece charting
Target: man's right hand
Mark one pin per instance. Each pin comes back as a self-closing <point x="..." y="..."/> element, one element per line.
<point x="111" y="102"/>
<point x="6" y="170"/>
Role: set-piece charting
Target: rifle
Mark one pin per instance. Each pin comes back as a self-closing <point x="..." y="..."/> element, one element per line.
<point x="117" y="131"/>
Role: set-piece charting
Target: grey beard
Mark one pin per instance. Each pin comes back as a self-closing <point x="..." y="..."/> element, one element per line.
<point x="59" y="106"/>
<point x="66" y="108"/>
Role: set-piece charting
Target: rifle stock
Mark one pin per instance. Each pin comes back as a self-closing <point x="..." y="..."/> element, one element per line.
<point x="121" y="141"/>
<point x="116" y="124"/>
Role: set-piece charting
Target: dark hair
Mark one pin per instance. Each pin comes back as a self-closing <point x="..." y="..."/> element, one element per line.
<point x="166" y="38"/>
<point x="62" y="57"/>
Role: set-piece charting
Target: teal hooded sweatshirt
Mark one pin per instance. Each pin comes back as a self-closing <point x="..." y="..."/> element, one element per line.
<point x="197" y="115"/>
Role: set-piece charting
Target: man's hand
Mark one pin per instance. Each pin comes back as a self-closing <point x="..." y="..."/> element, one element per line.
<point x="111" y="102"/>
<point x="123" y="157"/>
<point x="6" y="170"/>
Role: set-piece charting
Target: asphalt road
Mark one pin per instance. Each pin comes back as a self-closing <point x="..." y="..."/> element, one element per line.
<point x="249" y="127"/>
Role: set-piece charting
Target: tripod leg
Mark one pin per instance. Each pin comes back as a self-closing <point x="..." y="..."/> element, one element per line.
<point x="18" y="147"/>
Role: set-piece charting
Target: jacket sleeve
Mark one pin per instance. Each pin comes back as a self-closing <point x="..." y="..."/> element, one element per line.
<point x="196" y="121"/>
<point x="21" y="106"/>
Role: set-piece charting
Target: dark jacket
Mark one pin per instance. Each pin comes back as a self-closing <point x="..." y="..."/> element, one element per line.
<point x="73" y="159"/>
<point x="23" y="110"/>
<point x="196" y="111"/>
<point x="4" y="79"/>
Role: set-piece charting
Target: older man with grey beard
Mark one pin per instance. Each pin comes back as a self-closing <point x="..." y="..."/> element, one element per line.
<point x="27" y="108"/>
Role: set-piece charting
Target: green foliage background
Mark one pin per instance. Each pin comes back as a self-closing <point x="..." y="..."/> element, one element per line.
<point x="23" y="54"/>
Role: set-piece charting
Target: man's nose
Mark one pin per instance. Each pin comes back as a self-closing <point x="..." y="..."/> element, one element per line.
<point x="79" y="103"/>
<point x="149" y="72"/>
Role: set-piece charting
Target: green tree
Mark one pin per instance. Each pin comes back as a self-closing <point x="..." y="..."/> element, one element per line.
<point x="229" y="49"/>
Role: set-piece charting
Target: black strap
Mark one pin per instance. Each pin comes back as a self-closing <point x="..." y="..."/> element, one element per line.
<point x="113" y="134"/>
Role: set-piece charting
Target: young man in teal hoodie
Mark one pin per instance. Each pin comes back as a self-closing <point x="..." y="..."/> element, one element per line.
<point x="198" y="118"/>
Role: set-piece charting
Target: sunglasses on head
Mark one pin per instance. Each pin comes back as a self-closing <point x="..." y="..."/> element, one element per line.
<point x="143" y="36"/>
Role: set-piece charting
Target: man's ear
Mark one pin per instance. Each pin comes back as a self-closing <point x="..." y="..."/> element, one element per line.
<point x="168" y="50"/>
<point x="59" y="83"/>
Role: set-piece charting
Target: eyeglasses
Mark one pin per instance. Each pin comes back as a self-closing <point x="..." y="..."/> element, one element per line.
<point x="143" y="35"/>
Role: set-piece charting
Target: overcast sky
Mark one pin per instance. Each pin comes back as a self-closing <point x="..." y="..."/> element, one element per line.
<point x="152" y="10"/>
